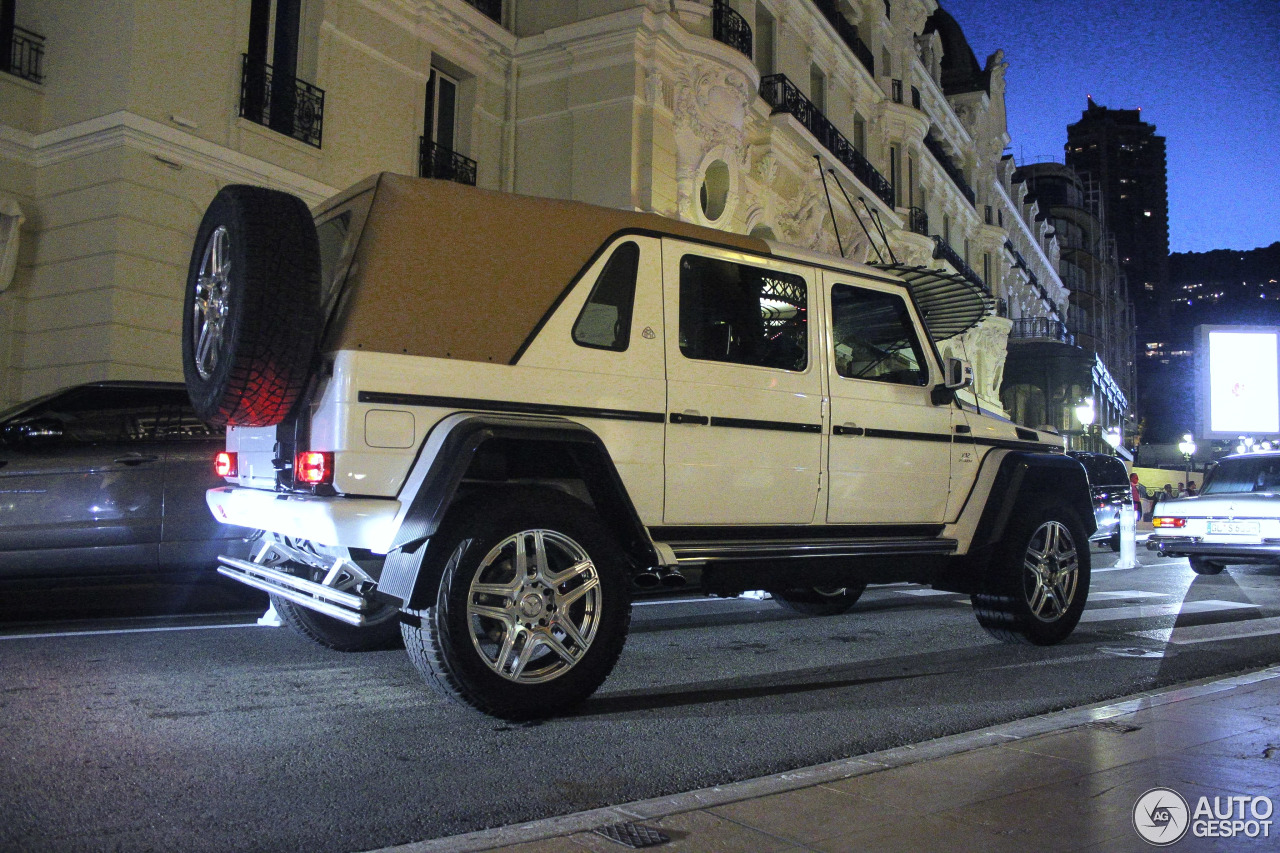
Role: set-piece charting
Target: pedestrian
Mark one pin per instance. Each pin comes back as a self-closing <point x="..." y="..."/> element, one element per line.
<point x="1136" y="492"/>
<point x="1167" y="492"/>
<point x="1192" y="491"/>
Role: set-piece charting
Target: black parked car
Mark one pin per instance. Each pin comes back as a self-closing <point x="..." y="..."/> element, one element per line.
<point x="109" y="478"/>
<point x="1109" y="483"/>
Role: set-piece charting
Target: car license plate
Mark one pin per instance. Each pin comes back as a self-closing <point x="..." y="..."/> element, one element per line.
<point x="1239" y="528"/>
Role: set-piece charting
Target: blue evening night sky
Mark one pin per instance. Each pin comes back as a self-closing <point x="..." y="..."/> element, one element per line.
<point x="1206" y="73"/>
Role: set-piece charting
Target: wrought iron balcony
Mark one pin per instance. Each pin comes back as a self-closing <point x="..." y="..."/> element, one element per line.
<point x="953" y="171"/>
<point x="918" y="221"/>
<point x="942" y="251"/>
<point x="491" y="9"/>
<point x="1041" y="329"/>
<point x="283" y="103"/>
<point x="728" y="27"/>
<point x="848" y="33"/>
<point x="436" y="161"/>
<point x="784" y="97"/>
<point x="26" y="54"/>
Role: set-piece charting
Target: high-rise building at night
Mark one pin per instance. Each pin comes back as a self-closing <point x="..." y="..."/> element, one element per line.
<point x="1122" y="155"/>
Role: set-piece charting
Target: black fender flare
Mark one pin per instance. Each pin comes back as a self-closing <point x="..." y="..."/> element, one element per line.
<point x="443" y="462"/>
<point x="1023" y="478"/>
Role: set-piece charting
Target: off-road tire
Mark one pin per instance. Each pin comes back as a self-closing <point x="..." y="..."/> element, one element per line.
<point x="820" y="601"/>
<point x="1205" y="566"/>
<point x="439" y="638"/>
<point x="1003" y="606"/>
<point x="269" y="307"/>
<point x="382" y="633"/>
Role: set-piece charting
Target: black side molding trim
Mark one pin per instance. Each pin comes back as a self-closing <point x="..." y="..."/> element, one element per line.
<point x="386" y="399"/>
<point x="781" y="426"/>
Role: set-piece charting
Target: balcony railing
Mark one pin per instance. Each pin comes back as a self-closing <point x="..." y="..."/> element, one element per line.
<point x="1041" y="329"/>
<point x="283" y="103"/>
<point x="436" y="161"/>
<point x="26" y="54"/>
<point x="491" y="9"/>
<point x="942" y="251"/>
<point x="953" y="171"/>
<point x="784" y="97"/>
<point x="918" y="221"/>
<point x="728" y="27"/>
<point x="848" y="33"/>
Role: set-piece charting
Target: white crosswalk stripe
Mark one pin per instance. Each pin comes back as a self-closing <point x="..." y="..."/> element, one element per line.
<point x="1216" y="631"/>
<point x="1147" y="611"/>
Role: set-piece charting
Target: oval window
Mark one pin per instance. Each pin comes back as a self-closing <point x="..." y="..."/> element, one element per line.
<point x="715" y="190"/>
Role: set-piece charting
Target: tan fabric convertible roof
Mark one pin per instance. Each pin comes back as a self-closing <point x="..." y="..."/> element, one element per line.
<point x="451" y="271"/>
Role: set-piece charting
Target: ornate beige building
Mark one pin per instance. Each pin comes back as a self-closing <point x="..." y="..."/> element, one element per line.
<point x="862" y="127"/>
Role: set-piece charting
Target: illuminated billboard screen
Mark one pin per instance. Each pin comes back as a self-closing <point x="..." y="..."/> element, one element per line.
<point x="1239" y="377"/>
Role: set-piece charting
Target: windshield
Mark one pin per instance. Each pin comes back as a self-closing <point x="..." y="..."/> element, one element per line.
<point x="1243" y="476"/>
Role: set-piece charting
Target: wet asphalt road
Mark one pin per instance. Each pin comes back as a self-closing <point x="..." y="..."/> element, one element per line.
<point x="206" y="732"/>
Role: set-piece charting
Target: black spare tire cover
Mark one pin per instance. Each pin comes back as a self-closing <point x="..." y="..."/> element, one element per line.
<point x="251" y="316"/>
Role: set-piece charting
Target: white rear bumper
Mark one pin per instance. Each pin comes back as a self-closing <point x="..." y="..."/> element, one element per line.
<point x="348" y="522"/>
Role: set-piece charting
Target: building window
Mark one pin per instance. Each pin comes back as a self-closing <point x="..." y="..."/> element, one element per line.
<point x="893" y="175"/>
<point x="437" y="155"/>
<point x="765" y="28"/>
<point x="860" y="134"/>
<point x="713" y="195"/>
<point x="818" y="88"/>
<point x="986" y="268"/>
<point x="270" y="91"/>
<point x="911" y="181"/>
<point x="987" y="215"/>
<point x="441" y="114"/>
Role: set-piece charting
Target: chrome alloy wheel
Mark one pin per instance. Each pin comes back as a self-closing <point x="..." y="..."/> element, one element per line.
<point x="534" y="606"/>
<point x="212" y="303"/>
<point x="1052" y="571"/>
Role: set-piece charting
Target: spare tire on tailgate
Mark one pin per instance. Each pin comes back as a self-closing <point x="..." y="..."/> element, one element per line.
<point x="251" y="317"/>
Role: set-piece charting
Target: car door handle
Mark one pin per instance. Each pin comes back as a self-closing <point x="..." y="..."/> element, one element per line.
<point x="689" y="418"/>
<point x="134" y="459"/>
<point x="846" y="429"/>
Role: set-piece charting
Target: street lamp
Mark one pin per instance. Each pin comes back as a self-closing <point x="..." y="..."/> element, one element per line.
<point x="1187" y="447"/>
<point x="1085" y="414"/>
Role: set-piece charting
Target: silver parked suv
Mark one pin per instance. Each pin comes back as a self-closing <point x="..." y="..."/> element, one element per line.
<point x="483" y="422"/>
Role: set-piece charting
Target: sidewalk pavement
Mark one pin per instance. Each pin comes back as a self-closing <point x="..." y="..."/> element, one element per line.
<point x="1070" y="780"/>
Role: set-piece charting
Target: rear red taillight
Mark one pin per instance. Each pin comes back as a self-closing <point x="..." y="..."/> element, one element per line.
<point x="1165" y="521"/>
<point x="224" y="464"/>
<point x="313" y="467"/>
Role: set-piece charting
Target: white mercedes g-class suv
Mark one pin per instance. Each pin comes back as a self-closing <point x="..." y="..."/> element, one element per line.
<point x="482" y="423"/>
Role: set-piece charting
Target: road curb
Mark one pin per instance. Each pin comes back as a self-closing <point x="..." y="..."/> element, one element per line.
<point x="834" y="771"/>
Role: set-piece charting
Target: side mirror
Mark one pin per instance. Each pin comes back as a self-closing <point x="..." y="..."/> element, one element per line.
<point x="957" y="374"/>
<point x="38" y="431"/>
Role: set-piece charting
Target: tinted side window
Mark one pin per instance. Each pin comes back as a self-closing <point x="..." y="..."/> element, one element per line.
<point x="743" y="314"/>
<point x="605" y="321"/>
<point x="874" y="337"/>
<point x="91" y="415"/>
